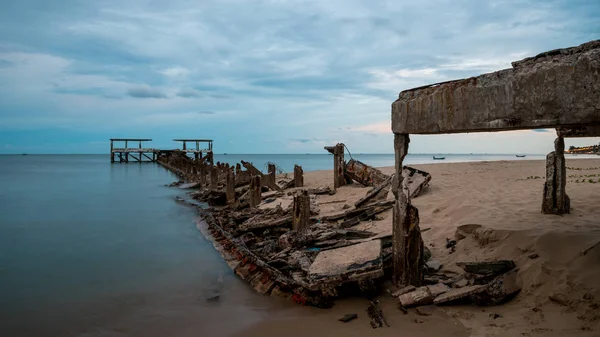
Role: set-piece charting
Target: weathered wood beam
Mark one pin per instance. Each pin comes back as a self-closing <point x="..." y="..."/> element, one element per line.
<point x="256" y="172"/>
<point x="554" y="89"/>
<point x="339" y="165"/>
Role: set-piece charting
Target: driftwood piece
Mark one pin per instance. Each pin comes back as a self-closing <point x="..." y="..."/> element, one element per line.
<point x="298" y="176"/>
<point x="301" y="211"/>
<point x="375" y="191"/>
<point x="242" y="178"/>
<point x="365" y="174"/>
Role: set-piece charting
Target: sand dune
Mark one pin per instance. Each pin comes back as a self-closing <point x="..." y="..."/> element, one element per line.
<point x="558" y="256"/>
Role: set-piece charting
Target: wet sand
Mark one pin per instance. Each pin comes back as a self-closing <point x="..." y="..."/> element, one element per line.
<point x="558" y="256"/>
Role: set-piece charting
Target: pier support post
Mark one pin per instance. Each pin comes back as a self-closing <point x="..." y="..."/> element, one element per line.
<point x="255" y="191"/>
<point x="230" y="190"/>
<point x="301" y="211"/>
<point x="112" y="155"/>
<point x="339" y="166"/>
<point x="407" y="244"/>
<point x="213" y="172"/>
<point x="298" y="176"/>
<point x="272" y="173"/>
<point x="555" y="199"/>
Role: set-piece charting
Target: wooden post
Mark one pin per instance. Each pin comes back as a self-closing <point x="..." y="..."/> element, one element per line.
<point x="301" y="211"/>
<point x="407" y="244"/>
<point x="238" y="169"/>
<point x="555" y="198"/>
<point x="298" y="176"/>
<point x="272" y="173"/>
<point x="184" y="147"/>
<point x="112" y="155"/>
<point x="202" y="174"/>
<point x="255" y="191"/>
<point x="230" y="190"/>
<point x="213" y="173"/>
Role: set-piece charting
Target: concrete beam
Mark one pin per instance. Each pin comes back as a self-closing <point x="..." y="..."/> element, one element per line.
<point x="583" y="131"/>
<point x="559" y="88"/>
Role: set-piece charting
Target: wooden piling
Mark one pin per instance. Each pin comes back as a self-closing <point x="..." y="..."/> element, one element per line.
<point x="255" y="191"/>
<point x="301" y="211"/>
<point x="298" y="176"/>
<point x="272" y="173"/>
<point x="230" y="190"/>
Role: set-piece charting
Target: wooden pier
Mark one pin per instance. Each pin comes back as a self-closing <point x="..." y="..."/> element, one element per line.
<point x="136" y="154"/>
<point x="202" y="151"/>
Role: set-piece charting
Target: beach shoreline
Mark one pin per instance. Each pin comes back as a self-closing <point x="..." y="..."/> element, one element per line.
<point x="504" y="197"/>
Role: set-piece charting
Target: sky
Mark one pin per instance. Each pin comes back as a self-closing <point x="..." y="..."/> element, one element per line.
<point x="276" y="76"/>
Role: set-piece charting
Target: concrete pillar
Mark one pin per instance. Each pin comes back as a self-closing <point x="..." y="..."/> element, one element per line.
<point x="298" y="176"/>
<point x="407" y="244"/>
<point x="301" y="211"/>
<point x="555" y="199"/>
<point x="255" y="191"/>
<point x="230" y="190"/>
<point x="272" y="173"/>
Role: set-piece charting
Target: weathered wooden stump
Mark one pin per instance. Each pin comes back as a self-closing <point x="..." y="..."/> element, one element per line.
<point x="298" y="176"/>
<point x="407" y="244"/>
<point x="555" y="199"/>
<point x="214" y="177"/>
<point x="301" y="211"/>
<point x="255" y="191"/>
<point x="230" y="189"/>
<point x="273" y="173"/>
<point x="339" y="165"/>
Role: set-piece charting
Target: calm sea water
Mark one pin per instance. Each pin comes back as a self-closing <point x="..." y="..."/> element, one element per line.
<point x="93" y="249"/>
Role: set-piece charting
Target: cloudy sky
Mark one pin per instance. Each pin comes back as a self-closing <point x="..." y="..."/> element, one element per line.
<point x="278" y="76"/>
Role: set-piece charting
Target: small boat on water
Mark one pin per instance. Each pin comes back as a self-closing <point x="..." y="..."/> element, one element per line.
<point x="521" y="156"/>
<point x="438" y="158"/>
<point x="24" y="154"/>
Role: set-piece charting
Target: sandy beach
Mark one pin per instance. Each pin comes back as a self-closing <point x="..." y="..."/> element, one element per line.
<point x="558" y="256"/>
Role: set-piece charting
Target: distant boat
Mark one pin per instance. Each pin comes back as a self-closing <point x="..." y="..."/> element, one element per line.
<point x="224" y="154"/>
<point x="24" y="154"/>
<point x="521" y="156"/>
<point x="438" y="158"/>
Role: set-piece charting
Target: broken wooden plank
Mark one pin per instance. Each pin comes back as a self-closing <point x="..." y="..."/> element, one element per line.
<point x="457" y="294"/>
<point x="375" y="191"/>
<point x="248" y="226"/>
<point x="487" y="268"/>
<point x="298" y="176"/>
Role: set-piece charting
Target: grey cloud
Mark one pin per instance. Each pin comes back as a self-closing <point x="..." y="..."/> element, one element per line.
<point x="5" y="64"/>
<point x="189" y="93"/>
<point x="206" y="112"/>
<point x="146" y="92"/>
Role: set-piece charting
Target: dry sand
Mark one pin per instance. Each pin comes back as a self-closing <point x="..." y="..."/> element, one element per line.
<point x="558" y="256"/>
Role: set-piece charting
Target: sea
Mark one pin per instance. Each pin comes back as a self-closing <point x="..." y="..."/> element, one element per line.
<point x="90" y="248"/>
